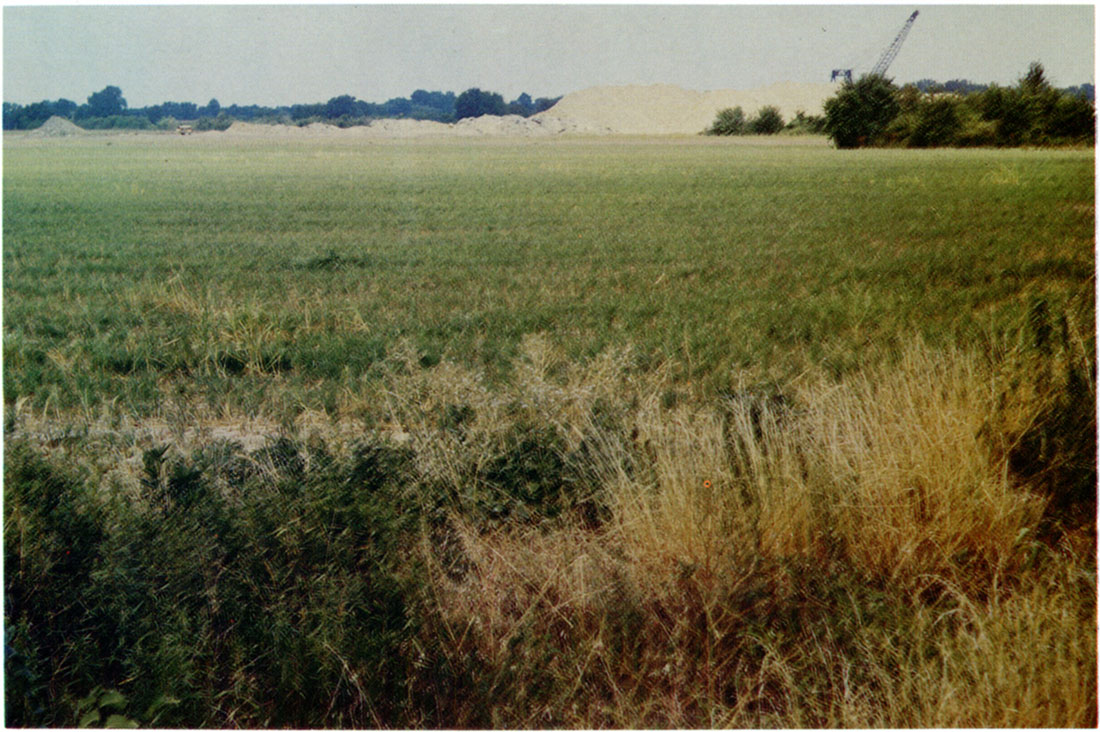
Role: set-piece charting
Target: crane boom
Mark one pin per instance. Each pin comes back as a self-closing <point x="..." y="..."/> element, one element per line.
<point x="892" y="51"/>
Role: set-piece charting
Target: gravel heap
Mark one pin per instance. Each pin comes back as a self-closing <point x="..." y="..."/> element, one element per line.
<point x="57" y="127"/>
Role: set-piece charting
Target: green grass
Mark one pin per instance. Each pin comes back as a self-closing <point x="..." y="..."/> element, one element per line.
<point x="576" y="433"/>
<point x="129" y="265"/>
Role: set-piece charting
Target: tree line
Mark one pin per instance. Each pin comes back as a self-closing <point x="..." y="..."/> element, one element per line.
<point x="107" y="108"/>
<point x="873" y="111"/>
<point x="958" y="113"/>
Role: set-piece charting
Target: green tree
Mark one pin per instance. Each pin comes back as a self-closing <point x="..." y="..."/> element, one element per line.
<point x="1073" y="118"/>
<point x="475" y="103"/>
<point x="1035" y="81"/>
<point x="861" y="111"/>
<point x="544" y="103"/>
<point x="1008" y="111"/>
<point x="340" y="106"/>
<point x="106" y="103"/>
<point x="730" y="121"/>
<point x="938" y="123"/>
<point x="767" y="121"/>
<point x="522" y="105"/>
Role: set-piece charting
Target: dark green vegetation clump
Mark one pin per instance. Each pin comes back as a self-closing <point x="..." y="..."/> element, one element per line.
<point x="873" y="111"/>
<point x="768" y="121"/>
<point x="240" y="589"/>
<point x="279" y="587"/>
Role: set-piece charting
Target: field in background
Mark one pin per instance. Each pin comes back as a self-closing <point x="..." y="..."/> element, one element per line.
<point x="623" y="432"/>
<point x="252" y="270"/>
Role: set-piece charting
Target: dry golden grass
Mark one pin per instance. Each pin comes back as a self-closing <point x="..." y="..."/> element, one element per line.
<point x="853" y="553"/>
<point x="728" y="584"/>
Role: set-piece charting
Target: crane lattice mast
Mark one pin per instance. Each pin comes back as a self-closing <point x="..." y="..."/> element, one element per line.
<point x="892" y="51"/>
<point x="887" y="57"/>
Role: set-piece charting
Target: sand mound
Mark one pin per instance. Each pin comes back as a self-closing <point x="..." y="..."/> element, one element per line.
<point x="665" y="109"/>
<point x="487" y="126"/>
<point x="515" y="126"/>
<point x="402" y="128"/>
<point x="322" y="128"/>
<point x="56" y="127"/>
<point x="660" y="109"/>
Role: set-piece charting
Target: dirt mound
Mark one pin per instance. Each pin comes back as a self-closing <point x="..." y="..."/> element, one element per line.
<point x="57" y="127"/>
<point x="666" y="109"/>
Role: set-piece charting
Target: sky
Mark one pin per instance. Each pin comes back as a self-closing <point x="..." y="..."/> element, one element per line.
<point x="286" y="54"/>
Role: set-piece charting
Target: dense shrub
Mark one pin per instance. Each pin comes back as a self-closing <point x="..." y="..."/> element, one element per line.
<point x="861" y="111"/>
<point x="767" y="121"/>
<point x="938" y="123"/>
<point x="220" y="123"/>
<point x="1072" y="118"/>
<point x="806" y="124"/>
<point x="477" y="103"/>
<point x="728" y="122"/>
<point x="1031" y="113"/>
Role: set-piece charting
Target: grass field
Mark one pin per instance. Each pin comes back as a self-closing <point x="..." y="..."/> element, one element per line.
<point x="582" y="433"/>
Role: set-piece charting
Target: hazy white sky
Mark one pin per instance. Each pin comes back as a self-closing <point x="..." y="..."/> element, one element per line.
<point x="285" y="54"/>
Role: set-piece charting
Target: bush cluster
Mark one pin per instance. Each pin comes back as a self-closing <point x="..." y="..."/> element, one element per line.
<point x="873" y="111"/>
<point x="220" y="123"/>
<point x="768" y="121"/>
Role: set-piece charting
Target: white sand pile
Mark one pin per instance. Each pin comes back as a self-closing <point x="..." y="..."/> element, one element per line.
<point x="57" y="127"/>
<point x="665" y="109"/>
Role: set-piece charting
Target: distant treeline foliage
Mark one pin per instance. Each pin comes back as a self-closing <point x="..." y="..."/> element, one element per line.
<point x="873" y="111"/>
<point x="965" y="86"/>
<point x="108" y="108"/>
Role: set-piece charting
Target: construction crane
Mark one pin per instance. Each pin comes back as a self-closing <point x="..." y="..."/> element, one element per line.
<point x="887" y="57"/>
<point x="892" y="51"/>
